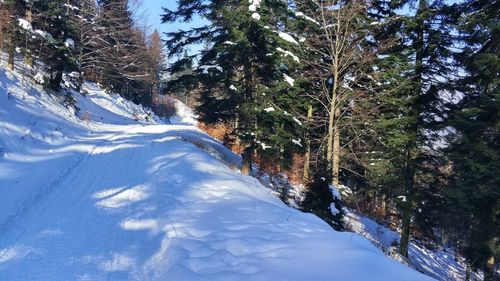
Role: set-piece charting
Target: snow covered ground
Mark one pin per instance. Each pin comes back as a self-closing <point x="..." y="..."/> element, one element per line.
<point x="442" y="264"/>
<point x="101" y="196"/>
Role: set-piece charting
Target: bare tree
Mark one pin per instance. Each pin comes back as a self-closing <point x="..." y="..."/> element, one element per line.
<point x="338" y="68"/>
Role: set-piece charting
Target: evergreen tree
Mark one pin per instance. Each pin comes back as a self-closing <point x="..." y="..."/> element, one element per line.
<point x="17" y="28"/>
<point x="414" y="74"/>
<point x="245" y="73"/>
<point x="475" y="143"/>
<point x="56" y="38"/>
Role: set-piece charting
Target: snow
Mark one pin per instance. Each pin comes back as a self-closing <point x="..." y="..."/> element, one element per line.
<point x="441" y="264"/>
<point x="101" y="196"/>
<point x="256" y="16"/>
<point x="335" y="192"/>
<point x="288" y="53"/>
<point x="289" y="80"/>
<point x="302" y="15"/>
<point x="334" y="209"/>
<point x="41" y="33"/>
<point x="297" y="142"/>
<point x="205" y="68"/>
<point x="254" y="5"/>
<point x="72" y="7"/>
<point x="24" y="24"/>
<point x="69" y="43"/>
<point x="269" y="109"/>
<point x="287" y="37"/>
<point x="39" y="78"/>
<point x="232" y="87"/>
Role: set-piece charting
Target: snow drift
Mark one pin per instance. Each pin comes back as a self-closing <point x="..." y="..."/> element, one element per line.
<point x="101" y="196"/>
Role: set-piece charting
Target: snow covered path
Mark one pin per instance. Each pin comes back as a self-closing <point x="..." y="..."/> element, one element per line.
<point x="142" y="202"/>
<point x="148" y="206"/>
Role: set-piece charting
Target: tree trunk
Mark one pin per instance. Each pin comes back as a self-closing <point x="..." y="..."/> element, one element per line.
<point x="407" y="209"/>
<point x="246" y="168"/>
<point x="11" y="53"/>
<point x="55" y="81"/>
<point x="336" y="150"/>
<point x="405" y="232"/>
<point x="411" y="149"/>
<point x="333" y="134"/>
<point x="489" y="269"/>
<point x="467" y="272"/>
<point x="307" y="156"/>
<point x="28" y="58"/>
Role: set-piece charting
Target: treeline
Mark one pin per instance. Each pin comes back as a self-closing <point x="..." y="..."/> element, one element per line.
<point x="399" y="100"/>
<point x="88" y="40"/>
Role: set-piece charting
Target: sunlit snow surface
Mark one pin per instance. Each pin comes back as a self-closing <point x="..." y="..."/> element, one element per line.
<point x="119" y="199"/>
<point x="442" y="264"/>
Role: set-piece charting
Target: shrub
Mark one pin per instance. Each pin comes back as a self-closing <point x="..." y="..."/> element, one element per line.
<point x="165" y="108"/>
<point x="219" y="131"/>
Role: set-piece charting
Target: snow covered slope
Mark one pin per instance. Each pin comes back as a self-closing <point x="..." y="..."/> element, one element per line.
<point x="119" y="199"/>
<point x="441" y="263"/>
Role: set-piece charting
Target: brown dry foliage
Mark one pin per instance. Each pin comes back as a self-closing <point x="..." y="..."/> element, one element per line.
<point x="219" y="131"/>
<point x="224" y="133"/>
<point x="267" y="165"/>
<point x="296" y="171"/>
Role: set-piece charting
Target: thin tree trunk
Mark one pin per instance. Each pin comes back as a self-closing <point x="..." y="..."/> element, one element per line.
<point x="411" y="150"/>
<point x="246" y="168"/>
<point x="28" y="58"/>
<point x="248" y="121"/>
<point x="467" y="272"/>
<point x="489" y="270"/>
<point x="336" y="150"/>
<point x="11" y="53"/>
<point x="332" y="133"/>
<point x="407" y="210"/>
<point x="307" y="156"/>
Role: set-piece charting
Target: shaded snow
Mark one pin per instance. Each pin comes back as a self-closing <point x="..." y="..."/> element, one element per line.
<point x="442" y="264"/>
<point x="101" y="196"/>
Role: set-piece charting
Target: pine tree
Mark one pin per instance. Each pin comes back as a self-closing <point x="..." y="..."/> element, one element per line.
<point x="415" y="75"/>
<point x="55" y="33"/>
<point x="16" y="30"/>
<point x="475" y="143"/>
<point x="245" y="73"/>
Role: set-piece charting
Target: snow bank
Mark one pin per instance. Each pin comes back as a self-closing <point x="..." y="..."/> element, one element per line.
<point x="442" y="264"/>
<point x="102" y="196"/>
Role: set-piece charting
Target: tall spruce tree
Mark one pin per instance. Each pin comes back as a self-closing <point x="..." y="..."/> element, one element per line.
<point x="17" y="28"/>
<point x="51" y="18"/>
<point x="415" y="74"/>
<point x="244" y="73"/>
<point x="475" y="142"/>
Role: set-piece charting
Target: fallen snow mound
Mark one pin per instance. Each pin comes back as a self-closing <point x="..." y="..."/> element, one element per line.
<point x="109" y="194"/>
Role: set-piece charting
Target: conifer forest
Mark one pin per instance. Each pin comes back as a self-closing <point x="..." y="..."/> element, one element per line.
<point x="382" y="109"/>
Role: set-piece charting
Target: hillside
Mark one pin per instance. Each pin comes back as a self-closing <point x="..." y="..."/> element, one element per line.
<point x="113" y="198"/>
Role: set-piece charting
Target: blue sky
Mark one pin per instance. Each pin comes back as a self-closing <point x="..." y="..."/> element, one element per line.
<point x="152" y="9"/>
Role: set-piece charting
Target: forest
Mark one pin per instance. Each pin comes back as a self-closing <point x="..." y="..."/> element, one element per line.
<point x="395" y="103"/>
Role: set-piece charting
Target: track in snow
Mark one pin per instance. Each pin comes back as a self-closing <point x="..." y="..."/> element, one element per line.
<point x="148" y="206"/>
